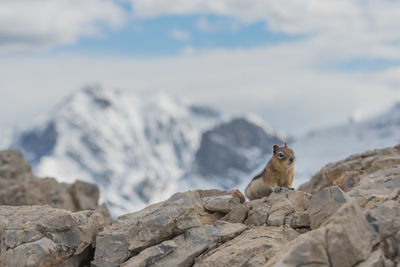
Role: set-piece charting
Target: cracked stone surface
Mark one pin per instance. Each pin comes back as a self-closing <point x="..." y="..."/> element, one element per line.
<point x="44" y="236"/>
<point x="349" y="216"/>
<point x="364" y="229"/>
<point x="254" y="247"/>
<point x="137" y="231"/>
<point x="182" y="250"/>
<point x="325" y="203"/>
<point x="287" y="207"/>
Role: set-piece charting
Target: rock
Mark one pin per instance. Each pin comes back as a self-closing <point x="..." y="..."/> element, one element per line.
<point x="84" y="195"/>
<point x="376" y="187"/>
<point x="134" y="232"/>
<point x="103" y="210"/>
<point x="349" y="172"/>
<point x="376" y="259"/>
<point x="18" y="186"/>
<point x="237" y="215"/>
<point x="223" y="203"/>
<point x="327" y="228"/>
<point x="44" y="236"/>
<point x="183" y="249"/>
<point x="36" y="191"/>
<point x="254" y="247"/>
<point x="286" y="207"/>
<point x="218" y="193"/>
<point x="343" y="240"/>
<point x="385" y="218"/>
<point x="325" y="203"/>
<point x="352" y="218"/>
<point x="13" y="167"/>
<point x="151" y="255"/>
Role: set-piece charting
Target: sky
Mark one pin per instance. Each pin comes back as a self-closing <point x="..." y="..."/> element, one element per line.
<point x="298" y="64"/>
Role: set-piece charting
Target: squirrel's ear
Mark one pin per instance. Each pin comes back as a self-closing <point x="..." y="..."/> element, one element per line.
<point x="285" y="144"/>
<point x="275" y="148"/>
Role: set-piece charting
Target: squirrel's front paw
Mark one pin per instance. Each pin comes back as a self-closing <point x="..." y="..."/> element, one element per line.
<point x="277" y="189"/>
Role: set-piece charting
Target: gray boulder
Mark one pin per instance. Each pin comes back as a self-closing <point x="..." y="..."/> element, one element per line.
<point x="287" y="207"/>
<point x="325" y="203"/>
<point x="253" y="248"/>
<point x="44" y="236"/>
<point x="18" y="186"/>
<point x="182" y="250"/>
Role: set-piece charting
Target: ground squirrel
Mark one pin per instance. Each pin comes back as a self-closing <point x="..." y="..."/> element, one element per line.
<point x="278" y="173"/>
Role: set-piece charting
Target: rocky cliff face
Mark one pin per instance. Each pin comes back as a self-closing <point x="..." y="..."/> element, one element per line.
<point x="326" y="227"/>
<point x="348" y="216"/>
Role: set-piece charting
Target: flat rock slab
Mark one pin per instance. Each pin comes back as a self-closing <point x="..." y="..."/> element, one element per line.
<point x="182" y="250"/>
<point x="44" y="236"/>
<point x="224" y="203"/>
<point x="287" y="207"/>
<point x="134" y="232"/>
<point x="325" y="203"/>
<point x="254" y="247"/>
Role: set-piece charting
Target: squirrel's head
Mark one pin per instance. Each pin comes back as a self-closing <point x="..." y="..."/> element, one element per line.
<point x="283" y="156"/>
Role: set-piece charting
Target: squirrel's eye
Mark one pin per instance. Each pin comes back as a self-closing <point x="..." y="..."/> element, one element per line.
<point x="281" y="155"/>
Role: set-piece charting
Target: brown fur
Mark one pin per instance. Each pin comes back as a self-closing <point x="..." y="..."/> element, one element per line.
<point x="277" y="173"/>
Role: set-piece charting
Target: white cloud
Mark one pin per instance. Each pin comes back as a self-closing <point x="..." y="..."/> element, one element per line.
<point x="348" y="27"/>
<point x="180" y="35"/>
<point x="277" y="82"/>
<point x="284" y="82"/>
<point x="32" y="24"/>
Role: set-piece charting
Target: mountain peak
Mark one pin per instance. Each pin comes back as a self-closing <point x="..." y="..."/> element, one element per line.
<point x="100" y="96"/>
<point x="134" y="147"/>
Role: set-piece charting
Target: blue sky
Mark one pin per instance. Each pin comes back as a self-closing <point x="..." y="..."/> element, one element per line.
<point x="297" y="64"/>
<point x="155" y="37"/>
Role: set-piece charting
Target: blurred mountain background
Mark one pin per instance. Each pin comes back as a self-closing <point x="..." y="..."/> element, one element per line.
<point x="140" y="149"/>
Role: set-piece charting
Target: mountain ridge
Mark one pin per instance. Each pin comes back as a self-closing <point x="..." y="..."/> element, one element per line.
<point x="141" y="149"/>
<point x="135" y="148"/>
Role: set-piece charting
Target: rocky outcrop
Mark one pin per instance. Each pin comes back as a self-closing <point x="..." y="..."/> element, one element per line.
<point x="44" y="236"/>
<point x="348" y="173"/>
<point x="18" y="186"/>
<point x="350" y="216"/>
<point x="331" y="225"/>
<point x="357" y="228"/>
<point x="254" y="247"/>
<point x="178" y="216"/>
<point x="185" y="247"/>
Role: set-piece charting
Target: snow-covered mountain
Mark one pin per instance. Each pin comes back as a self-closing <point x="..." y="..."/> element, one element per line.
<point x="140" y="149"/>
<point x="320" y="147"/>
<point x="134" y="148"/>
